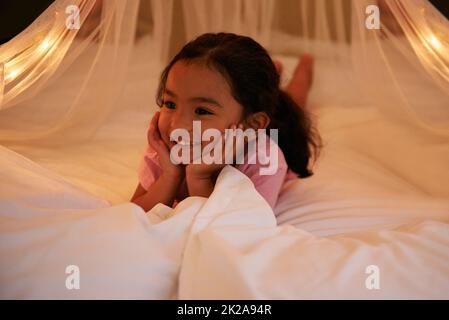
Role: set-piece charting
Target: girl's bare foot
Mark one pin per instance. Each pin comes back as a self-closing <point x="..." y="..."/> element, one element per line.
<point x="299" y="86"/>
<point x="278" y="66"/>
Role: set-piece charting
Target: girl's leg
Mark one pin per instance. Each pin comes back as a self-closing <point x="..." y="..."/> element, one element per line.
<point x="299" y="86"/>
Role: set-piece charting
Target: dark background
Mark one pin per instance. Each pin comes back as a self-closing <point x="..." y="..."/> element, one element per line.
<point x="442" y="5"/>
<point x="16" y="15"/>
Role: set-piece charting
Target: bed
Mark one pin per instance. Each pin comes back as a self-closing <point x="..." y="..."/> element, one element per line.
<point x="364" y="226"/>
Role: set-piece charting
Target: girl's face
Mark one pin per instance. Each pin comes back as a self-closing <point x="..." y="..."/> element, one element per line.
<point x="194" y="92"/>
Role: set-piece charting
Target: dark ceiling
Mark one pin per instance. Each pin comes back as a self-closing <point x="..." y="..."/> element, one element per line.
<point x="16" y="15"/>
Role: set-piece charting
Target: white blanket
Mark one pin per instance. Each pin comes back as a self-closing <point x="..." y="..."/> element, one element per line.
<point x="226" y="246"/>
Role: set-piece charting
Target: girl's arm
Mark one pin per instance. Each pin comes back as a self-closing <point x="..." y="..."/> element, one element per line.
<point x="139" y="192"/>
<point x="163" y="190"/>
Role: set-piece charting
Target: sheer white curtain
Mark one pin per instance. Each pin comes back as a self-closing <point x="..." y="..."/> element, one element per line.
<point x="402" y="68"/>
<point x="162" y="13"/>
<point x="90" y="60"/>
<point x="253" y="18"/>
<point x="268" y="21"/>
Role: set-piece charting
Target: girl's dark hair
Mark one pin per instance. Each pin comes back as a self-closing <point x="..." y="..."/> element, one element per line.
<point x="254" y="83"/>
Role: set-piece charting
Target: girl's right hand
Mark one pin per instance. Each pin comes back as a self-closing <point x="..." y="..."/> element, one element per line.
<point x="169" y="169"/>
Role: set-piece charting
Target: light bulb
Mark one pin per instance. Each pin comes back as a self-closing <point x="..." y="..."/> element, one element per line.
<point x="435" y="42"/>
<point x="44" y="45"/>
<point x="12" y="74"/>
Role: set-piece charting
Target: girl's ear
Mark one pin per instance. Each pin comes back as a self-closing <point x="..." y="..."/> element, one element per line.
<point x="258" y="120"/>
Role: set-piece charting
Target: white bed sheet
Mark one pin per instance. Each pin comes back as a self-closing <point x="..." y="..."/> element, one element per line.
<point x="226" y="247"/>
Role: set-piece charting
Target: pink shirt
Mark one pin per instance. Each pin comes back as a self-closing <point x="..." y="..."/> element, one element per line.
<point x="269" y="186"/>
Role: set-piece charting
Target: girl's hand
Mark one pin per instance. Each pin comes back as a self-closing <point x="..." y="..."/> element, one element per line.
<point x="154" y="139"/>
<point x="203" y="171"/>
<point x="207" y="171"/>
<point x="201" y="178"/>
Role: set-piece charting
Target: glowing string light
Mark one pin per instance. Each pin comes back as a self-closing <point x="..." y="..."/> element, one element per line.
<point x="435" y="42"/>
<point x="44" y="45"/>
<point x="12" y="75"/>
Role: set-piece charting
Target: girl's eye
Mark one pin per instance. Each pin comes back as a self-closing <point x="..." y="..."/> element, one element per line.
<point x="202" y="111"/>
<point x="169" y="104"/>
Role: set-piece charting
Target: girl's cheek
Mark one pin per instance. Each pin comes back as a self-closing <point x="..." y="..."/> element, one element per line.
<point x="164" y="117"/>
<point x="220" y="125"/>
<point x="163" y="126"/>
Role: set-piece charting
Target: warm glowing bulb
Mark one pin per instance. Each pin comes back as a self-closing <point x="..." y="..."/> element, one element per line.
<point x="435" y="42"/>
<point x="12" y="74"/>
<point x="44" y="45"/>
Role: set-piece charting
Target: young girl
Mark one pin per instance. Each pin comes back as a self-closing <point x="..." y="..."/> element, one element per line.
<point x="224" y="81"/>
